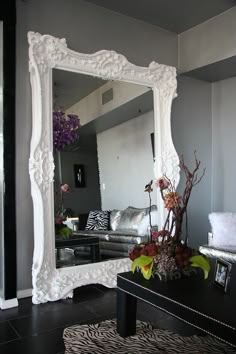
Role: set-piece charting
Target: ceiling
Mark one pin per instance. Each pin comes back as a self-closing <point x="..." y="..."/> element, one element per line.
<point x="173" y="15"/>
<point x="70" y="87"/>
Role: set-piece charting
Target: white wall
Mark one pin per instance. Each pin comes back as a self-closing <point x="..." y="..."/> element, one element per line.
<point x="224" y="147"/>
<point x="91" y="107"/>
<point x="125" y="162"/>
<point x="87" y="28"/>
<point x="209" y="42"/>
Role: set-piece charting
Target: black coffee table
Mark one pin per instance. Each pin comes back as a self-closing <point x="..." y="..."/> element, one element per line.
<point x="76" y="241"/>
<point x="195" y="301"/>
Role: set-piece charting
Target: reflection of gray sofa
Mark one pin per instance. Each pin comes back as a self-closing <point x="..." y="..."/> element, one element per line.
<point x="126" y="228"/>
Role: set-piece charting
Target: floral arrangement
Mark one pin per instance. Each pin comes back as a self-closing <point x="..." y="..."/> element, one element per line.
<point x="166" y="253"/>
<point x="61" y="229"/>
<point x="65" y="129"/>
<point x="175" y="203"/>
<point x="148" y="189"/>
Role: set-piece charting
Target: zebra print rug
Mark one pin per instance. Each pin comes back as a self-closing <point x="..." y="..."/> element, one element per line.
<point x="102" y="338"/>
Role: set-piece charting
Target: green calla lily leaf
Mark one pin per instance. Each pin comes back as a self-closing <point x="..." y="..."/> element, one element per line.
<point x="147" y="270"/>
<point x="201" y="262"/>
<point x="145" y="263"/>
<point x="65" y="232"/>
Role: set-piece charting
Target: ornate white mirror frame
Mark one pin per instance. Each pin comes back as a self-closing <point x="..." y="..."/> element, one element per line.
<point x="45" y="53"/>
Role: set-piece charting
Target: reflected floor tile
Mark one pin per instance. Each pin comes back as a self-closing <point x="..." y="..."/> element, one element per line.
<point x="7" y="333"/>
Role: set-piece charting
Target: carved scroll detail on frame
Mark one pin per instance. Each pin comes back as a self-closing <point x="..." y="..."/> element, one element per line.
<point x="47" y="52"/>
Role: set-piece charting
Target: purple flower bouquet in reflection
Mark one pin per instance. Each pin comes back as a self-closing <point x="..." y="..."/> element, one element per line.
<point x="65" y="129"/>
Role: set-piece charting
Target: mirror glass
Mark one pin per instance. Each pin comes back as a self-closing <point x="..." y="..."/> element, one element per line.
<point x="103" y="165"/>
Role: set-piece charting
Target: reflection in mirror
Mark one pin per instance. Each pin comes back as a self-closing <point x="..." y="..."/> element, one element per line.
<point x="101" y="167"/>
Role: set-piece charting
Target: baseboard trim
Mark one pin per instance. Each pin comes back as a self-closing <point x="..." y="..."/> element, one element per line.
<point x="21" y="294"/>
<point x="8" y="304"/>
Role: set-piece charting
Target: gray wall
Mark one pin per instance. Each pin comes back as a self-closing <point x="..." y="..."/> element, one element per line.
<point x="126" y="163"/>
<point x="191" y="130"/>
<point x="224" y="147"/>
<point x="87" y="28"/>
<point x="81" y="200"/>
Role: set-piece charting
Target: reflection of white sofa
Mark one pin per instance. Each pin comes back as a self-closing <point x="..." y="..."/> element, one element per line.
<point x="126" y="228"/>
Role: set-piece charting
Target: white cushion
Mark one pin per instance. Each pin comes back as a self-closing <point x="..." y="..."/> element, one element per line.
<point x="143" y="228"/>
<point x="223" y="228"/>
<point x="133" y="219"/>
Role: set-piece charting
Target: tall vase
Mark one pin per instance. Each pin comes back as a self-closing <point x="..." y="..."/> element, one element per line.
<point x="179" y="224"/>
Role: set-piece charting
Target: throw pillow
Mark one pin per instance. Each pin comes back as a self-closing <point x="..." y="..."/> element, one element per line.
<point x="131" y="218"/>
<point x="115" y="216"/>
<point x="98" y="220"/>
<point x="223" y="229"/>
<point x="137" y="219"/>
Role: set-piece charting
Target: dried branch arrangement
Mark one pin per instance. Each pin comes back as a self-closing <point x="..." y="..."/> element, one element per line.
<point x="175" y="203"/>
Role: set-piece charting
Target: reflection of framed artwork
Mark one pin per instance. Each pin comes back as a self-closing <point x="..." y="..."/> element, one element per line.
<point x="153" y="147"/>
<point x="79" y="176"/>
<point x="222" y="274"/>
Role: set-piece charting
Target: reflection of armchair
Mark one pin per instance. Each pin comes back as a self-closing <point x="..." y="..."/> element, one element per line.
<point x="126" y="229"/>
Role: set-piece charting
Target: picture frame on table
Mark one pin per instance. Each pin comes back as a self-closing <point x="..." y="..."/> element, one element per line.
<point x="222" y="274"/>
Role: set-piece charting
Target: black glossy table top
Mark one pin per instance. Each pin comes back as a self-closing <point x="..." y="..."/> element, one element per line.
<point x="194" y="293"/>
<point x="76" y="240"/>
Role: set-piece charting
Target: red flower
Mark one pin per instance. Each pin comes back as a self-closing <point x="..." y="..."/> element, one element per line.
<point x="161" y="233"/>
<point x="149" y="250"/>
<point x="171" y="200"/>
<point x="135" y="252"/>
<point x="65" y="188"/>
<point x="59" y="220"/>
<point x="182" y="255"/>
<point x="162" y="183"/>
<point x="154" y="234"/>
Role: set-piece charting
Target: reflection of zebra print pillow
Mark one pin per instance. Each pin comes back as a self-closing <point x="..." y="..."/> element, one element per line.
<point x="98" y="220"/>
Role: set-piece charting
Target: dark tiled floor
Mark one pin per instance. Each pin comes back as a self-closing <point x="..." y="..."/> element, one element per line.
<point x="31" y="329"/>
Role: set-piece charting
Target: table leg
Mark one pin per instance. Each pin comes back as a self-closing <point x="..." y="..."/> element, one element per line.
<point x="95" y="253"/>
<point x="126" y="314"/>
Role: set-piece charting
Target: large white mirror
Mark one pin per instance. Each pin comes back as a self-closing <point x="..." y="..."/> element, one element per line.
<point x="117" y="114"/>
